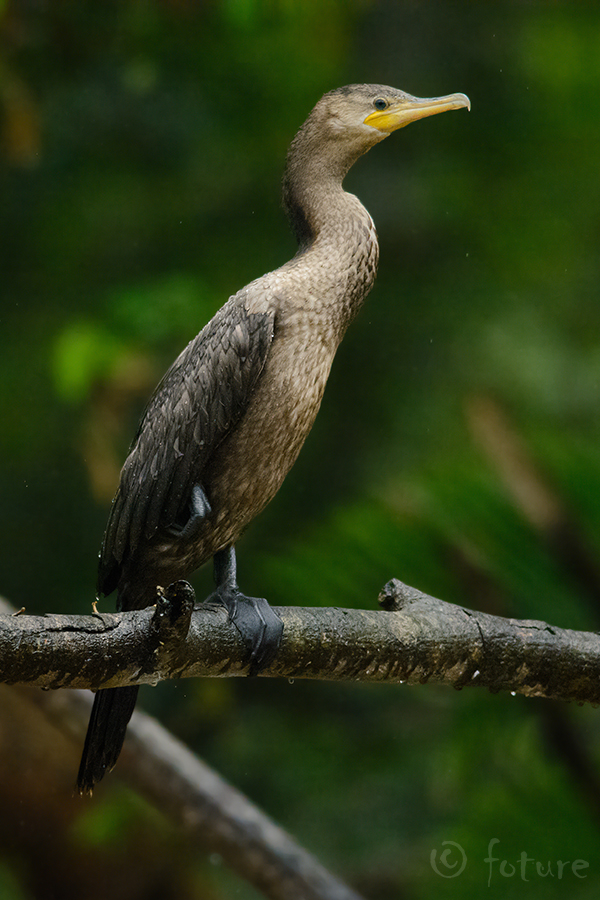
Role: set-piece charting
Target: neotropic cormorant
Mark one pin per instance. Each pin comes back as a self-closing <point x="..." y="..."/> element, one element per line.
<point x="228" y="420"/>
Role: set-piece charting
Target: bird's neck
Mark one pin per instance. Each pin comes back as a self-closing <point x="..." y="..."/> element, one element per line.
<point x="313" y="196"/>
<point x="335" y="233"/>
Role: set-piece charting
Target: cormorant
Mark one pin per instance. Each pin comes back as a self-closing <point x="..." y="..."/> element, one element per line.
<point x="228" y="420"/>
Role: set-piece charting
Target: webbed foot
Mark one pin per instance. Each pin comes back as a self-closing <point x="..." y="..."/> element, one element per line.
<point x="261" y="628"/>
<point x="199" y="509"/>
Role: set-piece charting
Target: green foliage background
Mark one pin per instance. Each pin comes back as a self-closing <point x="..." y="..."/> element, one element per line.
<point x="142" y="149"/>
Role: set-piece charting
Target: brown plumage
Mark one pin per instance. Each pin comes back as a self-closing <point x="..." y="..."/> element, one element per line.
<point x="228" y="420"/>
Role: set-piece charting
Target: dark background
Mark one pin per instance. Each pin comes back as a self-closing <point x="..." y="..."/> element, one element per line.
<point x="142" y="145"/>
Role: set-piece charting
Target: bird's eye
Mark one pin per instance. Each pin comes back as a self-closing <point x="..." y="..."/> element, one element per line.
<point x="380" y="103"/>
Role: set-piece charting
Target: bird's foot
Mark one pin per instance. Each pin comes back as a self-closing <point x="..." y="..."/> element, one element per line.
<point x="199" y="508"/>
<point x="260" y="627"/>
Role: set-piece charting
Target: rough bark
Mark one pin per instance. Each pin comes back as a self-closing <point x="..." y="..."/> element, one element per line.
<point x="413" y="638"/>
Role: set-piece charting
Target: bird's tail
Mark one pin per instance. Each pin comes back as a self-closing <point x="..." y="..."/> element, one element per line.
<point x="110" y="716"/>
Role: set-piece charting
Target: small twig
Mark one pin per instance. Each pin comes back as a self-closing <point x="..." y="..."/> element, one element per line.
<point x="173" y="612"/>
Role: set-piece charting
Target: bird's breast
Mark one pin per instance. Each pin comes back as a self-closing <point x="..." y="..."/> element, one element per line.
<point x="249" y="467"/>
<point x="312" y="298"/>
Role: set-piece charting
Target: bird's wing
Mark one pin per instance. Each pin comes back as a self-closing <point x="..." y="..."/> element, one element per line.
<point x="198" y="401"/>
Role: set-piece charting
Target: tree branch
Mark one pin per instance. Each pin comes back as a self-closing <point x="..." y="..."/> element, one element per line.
<point x="414" y="639"/>
<point x="212" y="814"/>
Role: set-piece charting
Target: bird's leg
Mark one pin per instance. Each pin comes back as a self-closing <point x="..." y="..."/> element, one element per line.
<point x="261" y="629"/>
<point x="199" y="509"/>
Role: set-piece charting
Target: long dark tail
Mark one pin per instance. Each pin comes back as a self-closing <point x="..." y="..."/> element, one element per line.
<point x="111" y="713"/>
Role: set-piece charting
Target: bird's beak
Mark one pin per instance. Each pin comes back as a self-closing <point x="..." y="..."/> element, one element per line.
<point x="409" y="109"/>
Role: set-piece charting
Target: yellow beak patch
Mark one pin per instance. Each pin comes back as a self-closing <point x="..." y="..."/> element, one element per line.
<point x="408" y="110"/>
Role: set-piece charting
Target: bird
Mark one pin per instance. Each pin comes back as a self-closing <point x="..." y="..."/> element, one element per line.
<point x="228" y="419"/>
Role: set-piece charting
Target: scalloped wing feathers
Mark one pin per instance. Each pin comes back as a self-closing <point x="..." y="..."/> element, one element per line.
<point x="201" y="397"/>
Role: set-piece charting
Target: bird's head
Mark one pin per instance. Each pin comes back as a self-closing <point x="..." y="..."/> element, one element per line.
<point x="373" y="111"/>
<point x="343" y="125"/>
<point x="348" y="121"/>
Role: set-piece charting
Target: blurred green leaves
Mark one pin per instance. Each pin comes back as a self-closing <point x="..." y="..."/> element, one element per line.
<point x="83" y="352"/>
<point x="87" y="352"/>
